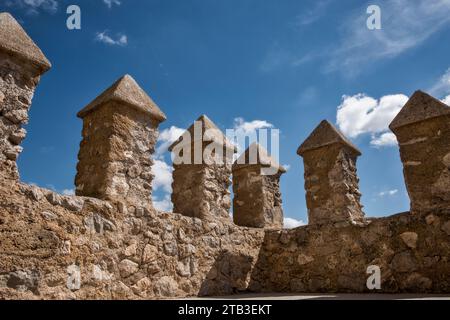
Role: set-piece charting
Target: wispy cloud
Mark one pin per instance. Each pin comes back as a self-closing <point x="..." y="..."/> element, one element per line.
<point x="442" y="86"/>
<point x="278" y="57"/>
<point x="34" y="7"/>
<point x="312" y="14"/>
<point x="388" y="193"/>
<point x="406" y="24"/>
<point x="110" y="3"/>
<point x="361" y="114"/>
<point x="119" y="40"/>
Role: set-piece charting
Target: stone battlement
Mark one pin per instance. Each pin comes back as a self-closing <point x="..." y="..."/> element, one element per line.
<point x="108" y="241"/>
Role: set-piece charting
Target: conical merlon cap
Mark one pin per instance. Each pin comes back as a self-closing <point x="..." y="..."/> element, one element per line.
<point x="126" y="91"/>
<point x="323" y="135"/>
<point x="262" y="158"/>
<point x="210" y="132"/>
<point x="421" y="106"/>
<point x="15" y="41"/>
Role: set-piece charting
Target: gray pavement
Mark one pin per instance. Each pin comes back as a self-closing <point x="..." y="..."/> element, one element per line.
<point x="380" y="296"/>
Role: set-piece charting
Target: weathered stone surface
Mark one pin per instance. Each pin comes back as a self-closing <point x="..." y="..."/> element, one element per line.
<point x="422" y="129"/>
<point x="200" y="186"/>
<point x="166" y="287"/>
<point x="404" y="262"/>
<point x="126" y="91"/>
<point x="330" y="259"/>
<point x="446" y="227"/>
<point x="120" y="129"/>
<point x="331" y="182"/>
<point x="21" y="65"/>
<point x="127" y="268"/>
<point x="256" y="185"/>
<point x="410" y="239"/>
<point x="304" y="259"/>
<point x="15" y="41"/>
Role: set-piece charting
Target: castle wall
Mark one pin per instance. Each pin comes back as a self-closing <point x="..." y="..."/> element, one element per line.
<point x="412" y="253"/>
<point x="46" y="237"/>
<point x="17" y="84"/>
<point x="115" y="157"/>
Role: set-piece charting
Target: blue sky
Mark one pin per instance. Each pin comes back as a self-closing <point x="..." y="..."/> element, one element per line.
<point x="282" y="64"/>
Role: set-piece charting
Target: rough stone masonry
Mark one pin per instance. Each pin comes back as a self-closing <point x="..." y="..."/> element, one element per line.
<point x="423" y="131"/>
<point x="201" y="179"/>
<point x="21" y="65"/>
<point x="256" y="186"/>
<point x="120" y="129"/>
<point x="100" y="244"/>
<point x="331" y="183"/>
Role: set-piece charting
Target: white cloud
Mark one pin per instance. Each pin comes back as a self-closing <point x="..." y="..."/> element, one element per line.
<point x="163" y="176"/>
<point x="244" y="127"/>
<point x="287" y="166"/>
<point x="166" y="138"/>
<point x="120" y="40"/>
<point x="290" y="223"/>
<point x="406" y="24"/>
<point x="249" y="129"/>
<point x="446" y="100"/>
<point x="110" y="3"/>
<point x="388" y="193"/>
<point x="163" y="205"/>
<point x="68" y="192"/>
<point x="34" y="6"/>
<point x="161" y="170"/>
<point x="387" y="139"/>
<point x="361" y="114"/>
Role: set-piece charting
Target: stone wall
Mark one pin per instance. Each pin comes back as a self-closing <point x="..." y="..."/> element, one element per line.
<point x="412" y="251"/>
<point x="120" y="129"/>
<point x="257" y="199"/>
<point x="21" y="65"/>
<point x="201" y="175"/>
<point x="121" y="169"/>
<point x="46" y="238"/>
<point x="422" y="129"/>
<point x="331" y="182"/>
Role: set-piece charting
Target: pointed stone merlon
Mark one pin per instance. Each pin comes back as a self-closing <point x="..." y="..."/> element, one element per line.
<point x="422" y="129"/>
<point x="331" y="182"/>
<point x="120" y="129"/>
<point x="256" y="187"/>
<point x="202" y="160"/>
<point x="21" y="65"/>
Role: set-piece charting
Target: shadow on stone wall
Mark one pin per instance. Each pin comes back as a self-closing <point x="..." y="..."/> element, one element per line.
<point x="230" y="274"/>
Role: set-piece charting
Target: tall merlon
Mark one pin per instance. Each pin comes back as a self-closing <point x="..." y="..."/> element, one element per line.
<point x="202" y="169"/>
<point x="256" y="185"/>
<point x="422" y="128"/>
<point x="120" y="129"/>
<point x="331" y="182"/>
<point x="21" y="65"/>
